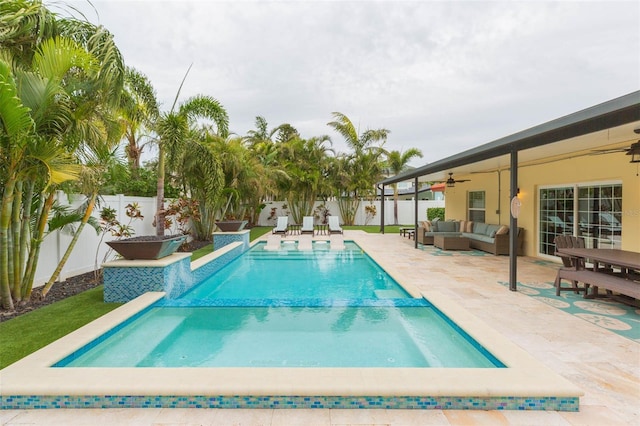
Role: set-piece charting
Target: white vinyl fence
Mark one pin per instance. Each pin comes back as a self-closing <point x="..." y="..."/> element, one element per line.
<point x="90" y="252"/>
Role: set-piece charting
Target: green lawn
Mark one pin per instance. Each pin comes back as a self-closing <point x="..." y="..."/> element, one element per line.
<point x="27" y="333"/>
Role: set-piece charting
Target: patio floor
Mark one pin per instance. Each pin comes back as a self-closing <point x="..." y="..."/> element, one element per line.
<point x="583" y="343"/>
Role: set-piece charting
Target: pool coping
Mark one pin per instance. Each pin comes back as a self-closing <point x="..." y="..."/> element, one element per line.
<point x="524" y="384"/>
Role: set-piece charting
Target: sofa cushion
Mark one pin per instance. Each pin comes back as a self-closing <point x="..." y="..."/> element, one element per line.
<point x="448" y="226"/>
<point x="491" y="230"/>
<point x="479" y="237"/>
<point x="442" y="234"/>
<point x="480" y="228"/>
<point x="504" y="229"/>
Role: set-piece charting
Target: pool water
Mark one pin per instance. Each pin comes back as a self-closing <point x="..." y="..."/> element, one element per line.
<point x="289" y="308"/>
<point x="372" y="336"/>
<point x="289" y="273"/>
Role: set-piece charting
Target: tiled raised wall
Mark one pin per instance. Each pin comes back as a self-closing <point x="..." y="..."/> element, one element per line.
<point x="383" y="402"/>
<point x="221" y="239"/>
<point x="124" y="280"/>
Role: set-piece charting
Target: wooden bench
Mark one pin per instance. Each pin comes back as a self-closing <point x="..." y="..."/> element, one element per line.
<point x="610" y="282"/>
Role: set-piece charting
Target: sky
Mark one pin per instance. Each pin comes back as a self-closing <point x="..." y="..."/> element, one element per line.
<point x="442" y="76"/>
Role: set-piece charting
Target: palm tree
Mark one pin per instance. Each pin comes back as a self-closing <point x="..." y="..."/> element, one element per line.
<point x="177" y="129"/>
<point x="396" y="163"/>
<point x="359" y="170"/>
<point x="56" y="74"/>
<point x="139" y="110"/>
<point x="305" y="162"/>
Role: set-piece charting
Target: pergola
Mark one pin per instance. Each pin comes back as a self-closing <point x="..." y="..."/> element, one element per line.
<point x="609" y="125"/>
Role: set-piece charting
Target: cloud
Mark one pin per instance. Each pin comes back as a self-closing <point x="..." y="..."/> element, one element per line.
<point x="442" y="76"/>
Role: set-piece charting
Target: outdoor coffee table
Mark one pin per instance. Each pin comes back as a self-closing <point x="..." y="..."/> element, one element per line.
<point x="451" y="243"/>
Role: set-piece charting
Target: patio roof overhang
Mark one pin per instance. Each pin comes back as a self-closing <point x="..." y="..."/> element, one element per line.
<point x="592" y="131"/>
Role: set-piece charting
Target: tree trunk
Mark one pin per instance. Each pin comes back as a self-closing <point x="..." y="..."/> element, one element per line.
<point x="5" y="220"/>
<point x="160" y="194"/>
<point x="72" y="244"/>
<point x="36" y="241"/>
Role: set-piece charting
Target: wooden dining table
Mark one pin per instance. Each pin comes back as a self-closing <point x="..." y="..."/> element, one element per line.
<point x="625" y="282"/>
<point x="628" y="260"/>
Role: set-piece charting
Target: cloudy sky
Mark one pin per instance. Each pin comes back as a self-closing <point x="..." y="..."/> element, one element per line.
<point x="442" y="76"/>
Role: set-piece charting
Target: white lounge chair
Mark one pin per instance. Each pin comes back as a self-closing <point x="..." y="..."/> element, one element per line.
<point x="334" y="225"/>
<point x="307" y="225"/>
<point x="282" y="226"/>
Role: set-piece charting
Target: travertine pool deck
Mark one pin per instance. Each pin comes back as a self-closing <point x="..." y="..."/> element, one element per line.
<point x="603" y="365"/>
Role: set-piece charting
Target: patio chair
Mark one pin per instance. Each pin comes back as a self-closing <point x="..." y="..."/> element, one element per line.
<point x="282" y="226"/>
<point x="334" y="225"/>
<point x="307" y="225"/>
<point x="569" y="266"/>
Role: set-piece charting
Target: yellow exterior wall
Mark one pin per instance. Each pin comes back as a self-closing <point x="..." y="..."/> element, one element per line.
<point x="594" y="169"/>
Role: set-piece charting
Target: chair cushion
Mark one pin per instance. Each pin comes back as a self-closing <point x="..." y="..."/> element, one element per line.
<point x="447" y="226"/>
<point x="504" y="229"/>
<point x="491" y="230"/>
<point x="480" y="228"/>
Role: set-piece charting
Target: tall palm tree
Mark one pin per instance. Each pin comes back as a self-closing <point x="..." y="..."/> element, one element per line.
<point x="56" y="73"/>
<point x="138" y="111"/>
<point x="362" y="165"/>
<point x="305" y="162"/>
<point x="397" y="162"/>
<point x="178" y="127"/>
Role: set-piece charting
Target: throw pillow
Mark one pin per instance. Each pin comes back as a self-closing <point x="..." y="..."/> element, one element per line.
<point x="504" y="229"/>
<point x="462" y="225"/>
<point x="469" y="227"/>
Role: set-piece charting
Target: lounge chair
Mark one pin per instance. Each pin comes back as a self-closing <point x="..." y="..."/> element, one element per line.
<point x="307" y="225"/>
<point x="282" y="226"/>
<point x="567" y="270"/>
<point x="334" y="225"/>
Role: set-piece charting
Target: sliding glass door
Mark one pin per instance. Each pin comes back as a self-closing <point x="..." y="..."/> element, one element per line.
<point x="593" y="212"/>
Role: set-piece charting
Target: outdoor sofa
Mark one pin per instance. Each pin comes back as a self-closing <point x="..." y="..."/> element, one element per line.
<point x="482" y="236"/>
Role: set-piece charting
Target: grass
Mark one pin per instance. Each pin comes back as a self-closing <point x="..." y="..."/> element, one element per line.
<point x="27" y="333"/>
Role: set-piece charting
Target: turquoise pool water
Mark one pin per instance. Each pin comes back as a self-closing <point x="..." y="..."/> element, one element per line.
<point x="289" y="308"/>
<point x="289" y="273"/>
<point x="371" y="336"/>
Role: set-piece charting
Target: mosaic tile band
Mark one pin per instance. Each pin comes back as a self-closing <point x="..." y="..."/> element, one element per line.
<point x="290" y="402"/>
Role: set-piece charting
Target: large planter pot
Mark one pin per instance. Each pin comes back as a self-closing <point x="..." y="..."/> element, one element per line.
<point x="231" y="225"/>
<point x="147" y="247"/>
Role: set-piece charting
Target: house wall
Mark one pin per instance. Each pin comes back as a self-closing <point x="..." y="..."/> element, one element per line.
<point x="594" y="169"/>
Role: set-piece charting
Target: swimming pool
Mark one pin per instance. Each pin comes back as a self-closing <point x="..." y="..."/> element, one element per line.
<point x="290" y="308"/>
<point x="525" y="384"/>
<point x="290" y="273"/>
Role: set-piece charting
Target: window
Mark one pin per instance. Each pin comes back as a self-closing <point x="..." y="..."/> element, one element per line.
<point x="598" y="209"/>
<point x="600" y="215"/>
<point x="476" y="206"/>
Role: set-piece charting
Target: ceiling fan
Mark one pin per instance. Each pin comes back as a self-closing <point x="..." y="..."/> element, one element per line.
<point x="451" y="182"/>
<point x="633" y="150"/>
